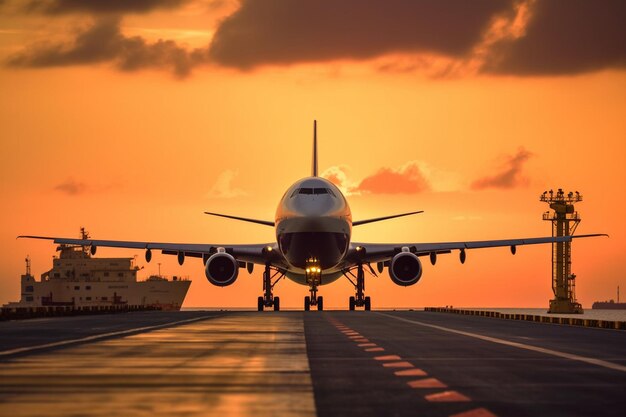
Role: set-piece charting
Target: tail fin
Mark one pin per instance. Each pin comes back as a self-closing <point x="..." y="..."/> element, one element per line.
<point x="314" y="168"/>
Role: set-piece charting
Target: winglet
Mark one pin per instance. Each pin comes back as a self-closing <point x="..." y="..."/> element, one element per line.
<point x="314" y="167"/>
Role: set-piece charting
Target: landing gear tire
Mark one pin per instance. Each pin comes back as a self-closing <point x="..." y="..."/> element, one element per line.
<point x="307" y="303"/>
<point x="276" y="303"/>
<point x="320" y="303"/>
<point x="260" y="304"/>
<point x="352" y="303"/>
<point x="368" y="304"/>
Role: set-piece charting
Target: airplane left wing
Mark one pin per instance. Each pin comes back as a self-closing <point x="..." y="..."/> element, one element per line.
<point x="377" y="252"/>
<point x="260" y="253"/>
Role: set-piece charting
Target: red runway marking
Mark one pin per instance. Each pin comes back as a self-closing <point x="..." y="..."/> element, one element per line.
<point x="366" y="345"/>
<point x="398" y="365"/>
<point x="361" y="340"/>
<point x="410" y="372"/>
<point x="427" y="383"/>
<point x="376" y="349"/>
<point x="447" y="397"/>
<point x="358" y="336"/>
<point x="478" y="412"/>
<point x="387" y="358"/>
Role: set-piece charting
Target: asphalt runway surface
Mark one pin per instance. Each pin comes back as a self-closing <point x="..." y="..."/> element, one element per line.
<point x="334" y="363"/>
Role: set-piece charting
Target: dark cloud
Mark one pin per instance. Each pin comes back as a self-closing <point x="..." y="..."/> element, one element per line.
<point x="71" y="187"/>
<point x="566" y="37"/>
<point x="288" y="31"/>
<point x="103" y="42"/>
<point x="510" y="176"/>
<point x="100" y="6"/>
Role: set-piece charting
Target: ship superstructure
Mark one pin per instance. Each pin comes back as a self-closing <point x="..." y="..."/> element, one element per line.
<point x="79" y="280"/>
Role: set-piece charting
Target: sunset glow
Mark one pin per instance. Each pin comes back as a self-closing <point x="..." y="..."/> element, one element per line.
<point x="132" y="122"/>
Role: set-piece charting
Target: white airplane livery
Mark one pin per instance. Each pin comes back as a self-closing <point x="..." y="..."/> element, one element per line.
<point x="313" y="246"/>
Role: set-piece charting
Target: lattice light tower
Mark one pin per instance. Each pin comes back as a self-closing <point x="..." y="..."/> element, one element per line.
<point x="564" y="220"/>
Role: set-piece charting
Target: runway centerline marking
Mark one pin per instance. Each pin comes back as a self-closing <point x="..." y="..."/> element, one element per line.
<point x="98" y="336"/>
<point x="571" y="356"/>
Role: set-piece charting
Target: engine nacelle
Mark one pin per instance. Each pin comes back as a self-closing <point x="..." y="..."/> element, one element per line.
<point x="221" y="269"/>
<point x="405" y="268"/>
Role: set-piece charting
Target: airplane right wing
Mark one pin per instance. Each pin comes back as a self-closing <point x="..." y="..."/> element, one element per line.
<point x="260" y="253"/>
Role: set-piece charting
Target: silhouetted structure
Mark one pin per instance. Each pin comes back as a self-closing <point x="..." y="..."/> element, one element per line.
<point x="564" y="223"/>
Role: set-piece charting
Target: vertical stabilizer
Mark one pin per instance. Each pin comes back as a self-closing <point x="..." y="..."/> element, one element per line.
<point x="314" y="168"/>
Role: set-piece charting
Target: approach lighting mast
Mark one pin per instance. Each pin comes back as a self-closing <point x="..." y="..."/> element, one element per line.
<point x="564" y="220"/>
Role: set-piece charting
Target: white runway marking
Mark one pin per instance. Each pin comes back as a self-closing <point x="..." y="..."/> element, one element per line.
<point x="96" y="337"/>
<point x="571" y="356"/>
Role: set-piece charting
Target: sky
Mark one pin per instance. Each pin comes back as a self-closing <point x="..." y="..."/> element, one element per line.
<point x="132" y="118"/>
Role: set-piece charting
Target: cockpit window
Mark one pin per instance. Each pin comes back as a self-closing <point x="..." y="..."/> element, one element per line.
<point x="313" y="191"/>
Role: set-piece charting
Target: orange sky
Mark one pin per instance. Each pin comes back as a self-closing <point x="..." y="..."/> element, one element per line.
<point x="141" y="154"/>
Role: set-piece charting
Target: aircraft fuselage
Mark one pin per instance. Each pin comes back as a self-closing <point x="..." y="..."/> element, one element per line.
<point x="313" y="223"/>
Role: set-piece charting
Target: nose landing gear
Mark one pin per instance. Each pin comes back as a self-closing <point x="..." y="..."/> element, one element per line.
<point x="268" y="299"/>
<point x="313" y="274"/>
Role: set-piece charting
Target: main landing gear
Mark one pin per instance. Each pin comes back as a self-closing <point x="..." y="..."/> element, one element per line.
<point x="359" y="299"/>
<point x="268" y="299"/>
<point x="313" y="274"/>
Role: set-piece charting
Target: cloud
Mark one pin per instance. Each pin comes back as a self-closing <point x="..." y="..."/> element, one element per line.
<point x="510" y="176"/>
<point x="565" y="37"/>
<point x="338" y="175"/>
<point x="72" y="187"/>
<point x="223" y="187"/>
<point x="101" y="6"/>
<point x="287" y="31"/>
<point x="104" y="42"/>
<point x="407" y="179"/>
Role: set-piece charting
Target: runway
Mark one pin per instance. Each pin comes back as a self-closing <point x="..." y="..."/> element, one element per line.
<point x="335" y="363"/>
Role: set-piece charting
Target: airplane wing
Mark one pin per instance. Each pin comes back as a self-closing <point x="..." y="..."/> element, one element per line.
<point x="259" y="253"/>
<point x="377" y="252"/>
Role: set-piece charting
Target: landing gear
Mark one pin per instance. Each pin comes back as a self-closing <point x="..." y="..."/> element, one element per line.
<point x="359" y="299"/>
<point x="268" y="299"/>
<point x="313" y="300"/>
<point x="313" y="278"/>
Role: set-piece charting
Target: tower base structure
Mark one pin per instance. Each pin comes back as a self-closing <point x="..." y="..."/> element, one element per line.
<point x="565" y="306"/>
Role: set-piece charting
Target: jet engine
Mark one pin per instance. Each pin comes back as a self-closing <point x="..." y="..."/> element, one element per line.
<point x="405" y="268"/>
<point x="221" y="269"/>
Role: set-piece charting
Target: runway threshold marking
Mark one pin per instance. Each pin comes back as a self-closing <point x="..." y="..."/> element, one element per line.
<point x="571" y="356"/>
<point x="97" y="337"/>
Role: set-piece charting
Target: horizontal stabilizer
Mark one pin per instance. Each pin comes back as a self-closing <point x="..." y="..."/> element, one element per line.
<point x="377" y="219"/>
<point x="263" y="222"/>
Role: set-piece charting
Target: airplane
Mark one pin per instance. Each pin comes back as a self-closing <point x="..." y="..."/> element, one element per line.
<point x="313" y="246"/>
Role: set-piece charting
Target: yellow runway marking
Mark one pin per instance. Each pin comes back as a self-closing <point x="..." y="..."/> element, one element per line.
<point x="410" y="372"/>
<point x="426" y="383"/>
<point x="387" y="358"/>
<point x="447" y="397"/>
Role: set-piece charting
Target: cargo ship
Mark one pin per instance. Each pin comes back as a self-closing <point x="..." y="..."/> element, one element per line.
<point x="79" y="282"/>
<point x="609" y="305"/>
